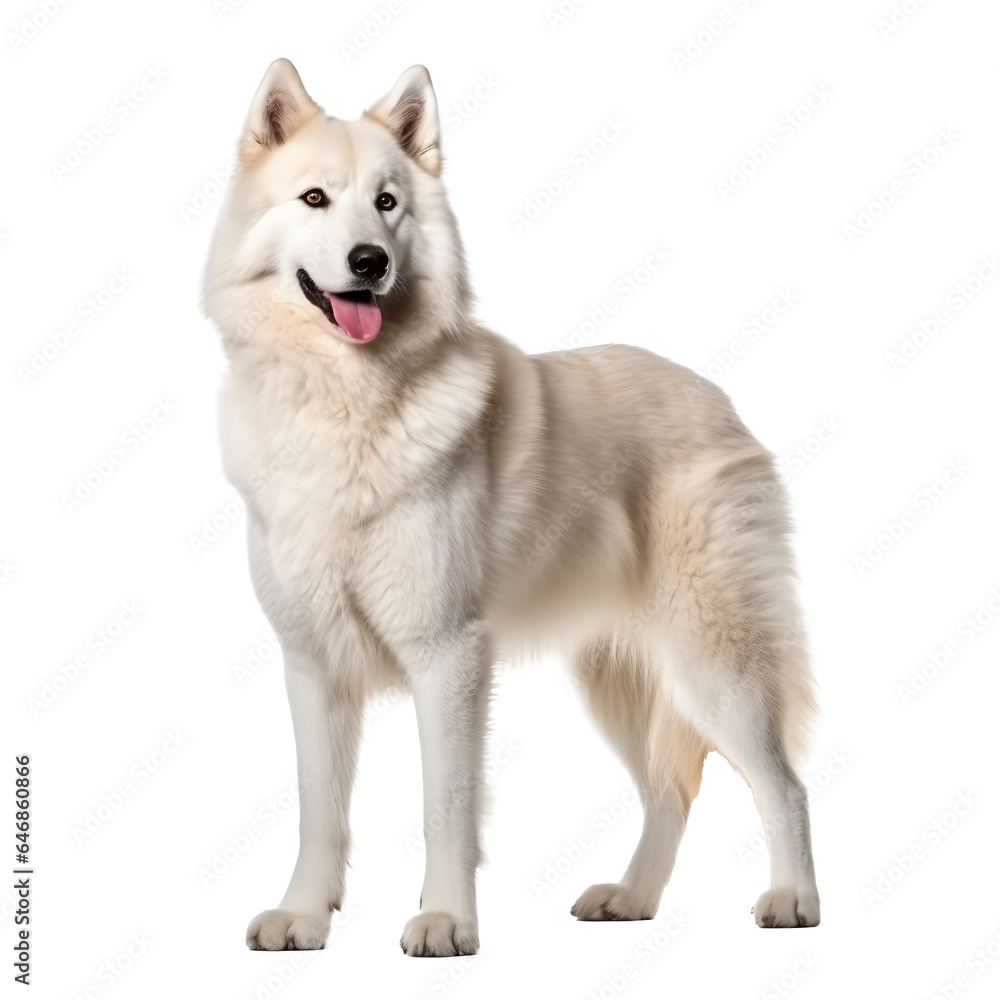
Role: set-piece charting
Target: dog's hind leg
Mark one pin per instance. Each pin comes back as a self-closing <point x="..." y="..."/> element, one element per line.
<point x="743" y="680"/>
<point x="744" y="724"/>
<point x="664" y="756"/>
<point x="742" y="718"/>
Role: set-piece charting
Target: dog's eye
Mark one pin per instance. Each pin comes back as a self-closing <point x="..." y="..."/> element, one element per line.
<point x="315" y="197"/>
<point x="385" y="202"/>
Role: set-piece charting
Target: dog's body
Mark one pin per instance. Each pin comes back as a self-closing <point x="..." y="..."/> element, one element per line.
<point x="423" y="498"/>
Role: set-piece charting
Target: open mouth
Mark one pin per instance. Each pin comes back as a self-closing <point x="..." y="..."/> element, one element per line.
<point x="356" y="313"/>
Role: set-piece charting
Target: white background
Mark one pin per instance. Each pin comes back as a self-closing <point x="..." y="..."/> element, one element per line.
<point x="860" y="440"/>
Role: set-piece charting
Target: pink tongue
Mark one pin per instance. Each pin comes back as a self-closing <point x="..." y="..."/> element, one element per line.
<point x="359" y="320"/>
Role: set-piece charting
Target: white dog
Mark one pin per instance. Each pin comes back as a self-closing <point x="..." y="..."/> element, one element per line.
<point x="422" y="498"/>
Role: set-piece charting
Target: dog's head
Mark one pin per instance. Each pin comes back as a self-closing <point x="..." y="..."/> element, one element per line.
<point x="335" y="233"/>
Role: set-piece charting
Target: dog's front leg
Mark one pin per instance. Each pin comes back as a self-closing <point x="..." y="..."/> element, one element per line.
<point x="327" y="727"/>
<point x="451" y="694"/>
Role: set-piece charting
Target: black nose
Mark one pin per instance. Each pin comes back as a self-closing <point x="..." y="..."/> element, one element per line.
<point x="368" y="261"/>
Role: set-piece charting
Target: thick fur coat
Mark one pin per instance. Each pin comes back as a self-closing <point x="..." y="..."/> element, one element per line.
<point x="425" y="498"/>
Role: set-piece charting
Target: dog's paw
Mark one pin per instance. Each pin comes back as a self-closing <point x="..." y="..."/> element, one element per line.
<point x="285" y="930"/>
<point x="612" y="901"/>
<point x="438" y="935"/>
<point x="787" y="908"/>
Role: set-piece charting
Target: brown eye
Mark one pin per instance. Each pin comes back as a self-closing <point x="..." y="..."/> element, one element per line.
<point x="315" y="197"/>
<point x="385" y="202"/>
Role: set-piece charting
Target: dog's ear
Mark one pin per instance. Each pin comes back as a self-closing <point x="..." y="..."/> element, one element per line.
<point x="280" y="106"/>
<point x="409" y="112"/>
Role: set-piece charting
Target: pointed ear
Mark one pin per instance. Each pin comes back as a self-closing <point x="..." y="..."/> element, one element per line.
<point x="280" y="106"/>
<point x="409" y="112"/>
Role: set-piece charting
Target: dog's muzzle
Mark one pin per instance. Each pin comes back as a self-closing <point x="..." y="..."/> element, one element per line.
<point x="354" y="312"/>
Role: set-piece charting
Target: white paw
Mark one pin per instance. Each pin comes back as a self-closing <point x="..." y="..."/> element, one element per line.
<point x="439" y="935"/>
<point x="286" y="930"/>
<point x="613" y="901"/>
<point x="787" y="908"/>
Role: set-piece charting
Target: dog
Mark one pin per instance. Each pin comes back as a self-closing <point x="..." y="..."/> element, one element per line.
<point x="424" y="499"/>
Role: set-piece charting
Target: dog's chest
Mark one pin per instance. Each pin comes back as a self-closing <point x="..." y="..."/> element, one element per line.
<point x="334" y="506"/>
